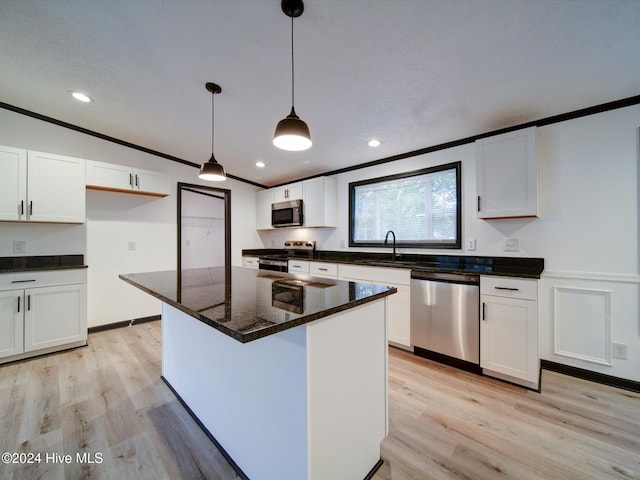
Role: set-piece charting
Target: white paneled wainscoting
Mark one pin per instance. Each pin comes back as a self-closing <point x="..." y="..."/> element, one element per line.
<point x="583" y="316"/>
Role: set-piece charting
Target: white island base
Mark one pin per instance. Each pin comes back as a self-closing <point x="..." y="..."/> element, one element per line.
<point x="306" y="403"/>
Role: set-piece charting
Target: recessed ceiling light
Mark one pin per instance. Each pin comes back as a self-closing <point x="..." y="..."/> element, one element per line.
<point x="260" y="164"/>
<point x="81" y="97"/>
<point x="373" y="143"/>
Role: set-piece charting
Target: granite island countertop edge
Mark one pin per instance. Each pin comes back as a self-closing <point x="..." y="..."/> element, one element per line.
<point x="264" y="332"/>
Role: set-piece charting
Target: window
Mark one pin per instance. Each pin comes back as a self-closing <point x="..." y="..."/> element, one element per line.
<point x="421" y="207"/>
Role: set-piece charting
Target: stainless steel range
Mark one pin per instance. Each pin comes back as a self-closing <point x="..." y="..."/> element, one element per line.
<point x="292" y="249"/>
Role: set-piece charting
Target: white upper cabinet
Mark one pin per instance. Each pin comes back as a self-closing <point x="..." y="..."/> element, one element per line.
<point x="507" y="175"/>
<point x="13" y="183"/>
<point x="264" y="199"/>
<point x="292" y="191"/>
<point x="41" y="187"/>
<point x="120" y="178"/>
<point x="320" y="202"/>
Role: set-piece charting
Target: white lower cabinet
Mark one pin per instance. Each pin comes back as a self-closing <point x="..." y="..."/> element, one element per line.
<point x="298" y="266"/>
<point x="509" y="330"/>
<point x="44" y="317"/>
<point x="250" y="262"/>
<point x="398" y="304"/>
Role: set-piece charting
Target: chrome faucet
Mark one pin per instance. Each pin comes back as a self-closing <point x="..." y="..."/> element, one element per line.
<point x="386" y="241"/>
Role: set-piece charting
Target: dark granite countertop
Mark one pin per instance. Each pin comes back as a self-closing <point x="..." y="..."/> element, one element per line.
<point x="500" y="266"/>
<point x="40" y="263"/>
<point x="248" y="304"/>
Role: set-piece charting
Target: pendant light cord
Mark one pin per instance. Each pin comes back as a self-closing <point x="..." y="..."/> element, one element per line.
<point x="212" y="121"/>
<point x="292" y="76"/>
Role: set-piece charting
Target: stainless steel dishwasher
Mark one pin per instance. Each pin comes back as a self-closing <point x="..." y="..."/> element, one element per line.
<point x="445" y="318"/>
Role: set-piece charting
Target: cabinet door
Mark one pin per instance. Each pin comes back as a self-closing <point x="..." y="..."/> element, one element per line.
<point x="11" y="326"/>
<point x="13" y="183"/>
<point x="148" y="181"/>
<point x="264" y="199"/>
<point x="55" y="316"/>
<point x="292" y="191"/>
<point x="55" y="188"/>
<point x="320" y="202"/>
<point x="506" y="177"/>
<point x="108" y="176"/>
<point x="399" y="315"/>
<point x="509" y="337"/>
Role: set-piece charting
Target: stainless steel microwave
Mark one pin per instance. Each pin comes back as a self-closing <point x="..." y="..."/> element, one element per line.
<point x="287" y="214"/>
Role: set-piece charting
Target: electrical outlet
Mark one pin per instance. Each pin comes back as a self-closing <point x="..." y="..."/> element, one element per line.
<point x="471" y="244"/>
<point x="511" y="245"/>
<point x="131" y="245"/>
<point x="620" y="351"/>
<point x="19" y="246"/>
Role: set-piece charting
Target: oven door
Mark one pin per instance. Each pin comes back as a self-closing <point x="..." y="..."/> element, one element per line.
<point x="275" y="265"/>
<point x="286" y="214"/>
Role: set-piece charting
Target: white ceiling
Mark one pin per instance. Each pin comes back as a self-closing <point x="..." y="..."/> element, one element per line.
<point x="413" y="73"/>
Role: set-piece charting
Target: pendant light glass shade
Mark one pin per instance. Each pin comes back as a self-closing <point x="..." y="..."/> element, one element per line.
<point x="211" y="170"/>
<point x="292" y="133"/>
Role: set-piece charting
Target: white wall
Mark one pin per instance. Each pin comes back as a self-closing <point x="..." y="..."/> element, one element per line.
<point x="114" y="219"/>
<point x="203" y="235"/>
<point x="587" y="232"/>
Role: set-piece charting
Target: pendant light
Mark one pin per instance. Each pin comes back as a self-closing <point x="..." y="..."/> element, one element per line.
<point x="292" y="133"/>
<point x="212" y="170"/>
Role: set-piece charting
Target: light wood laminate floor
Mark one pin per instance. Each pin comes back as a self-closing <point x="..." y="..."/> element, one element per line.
<point x="108" y="399"/>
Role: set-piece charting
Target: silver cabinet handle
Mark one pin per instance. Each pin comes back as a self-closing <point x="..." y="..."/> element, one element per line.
<point x="323" y="269"/>
<point x="21" y="207"/>
<point x="30" y="207"/>
<point x="19" y="303"/>
<point x="131" y="179"/>
<point x="137" y="181"/>
<point x="484" y="311"/>
<point x="28" y="303"/>
<point x="23" y="281"/>
<point x="511" y="289"/>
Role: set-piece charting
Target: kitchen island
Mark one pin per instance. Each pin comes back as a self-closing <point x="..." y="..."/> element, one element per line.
<point x="286" y="373"/>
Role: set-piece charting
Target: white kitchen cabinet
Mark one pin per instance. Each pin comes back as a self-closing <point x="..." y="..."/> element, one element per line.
<point x="250" y="262"/>
<point x="121" y="178"/>
<point x="507" y="175"/>
<point x="509" y="330"/>
<point x="320" y="202"/>
<point x="293" y="191"/>
<point x="323" y="269"/>
<point x="42" y="312"/>
<point x="398" y="304"/>
<point x="11" y="323"/>
<point x="264" y="199"/>
<point x="41" y="187"/>
<point x="298" y="266"/>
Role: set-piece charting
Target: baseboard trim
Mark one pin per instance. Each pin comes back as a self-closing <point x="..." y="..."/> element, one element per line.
<point x="209" y="435"/>
<point x="596" y="377"/>
<point x="125" y="323"/>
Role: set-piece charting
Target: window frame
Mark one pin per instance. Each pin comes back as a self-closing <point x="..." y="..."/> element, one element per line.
<point x="456" y="244"/>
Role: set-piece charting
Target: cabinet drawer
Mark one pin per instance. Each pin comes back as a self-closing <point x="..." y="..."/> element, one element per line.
<point x="251" y="262"/>
<point x="509" y="287"/>
<point x="18" y="281"/>
<point x="323" y="269"/>
<point x="299" y="266"/>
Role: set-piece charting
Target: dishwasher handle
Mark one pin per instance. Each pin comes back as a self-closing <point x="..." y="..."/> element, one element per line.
<point x="447" y="277"/>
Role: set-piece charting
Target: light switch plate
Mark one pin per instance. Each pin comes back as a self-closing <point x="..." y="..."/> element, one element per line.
<point x="511" y="245"/>
<point x="471" y="244"/>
